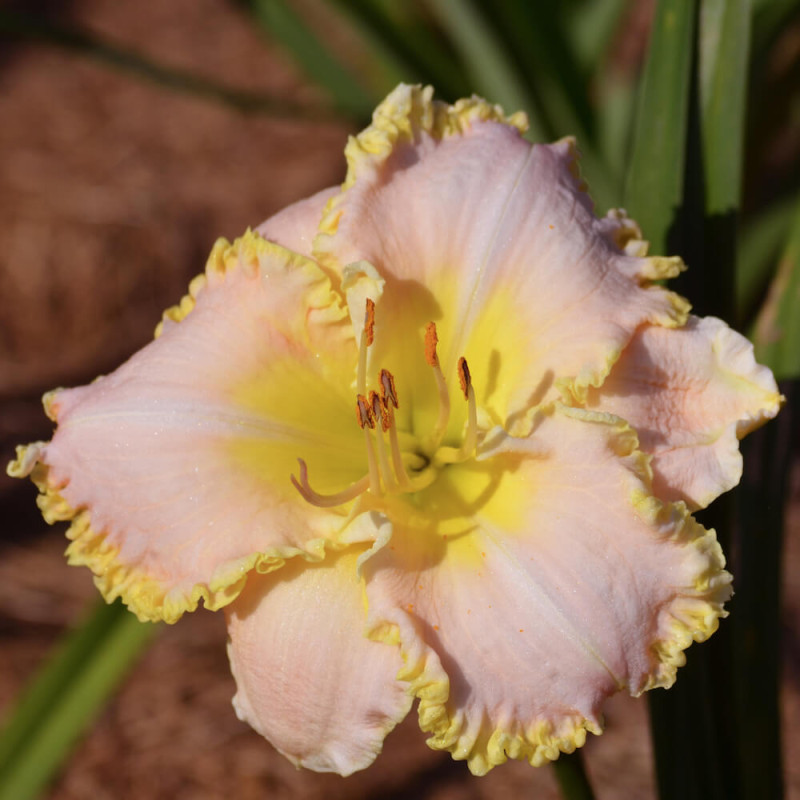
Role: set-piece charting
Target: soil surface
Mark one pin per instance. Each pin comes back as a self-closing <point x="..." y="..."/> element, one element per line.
<point x="112" y="192"/>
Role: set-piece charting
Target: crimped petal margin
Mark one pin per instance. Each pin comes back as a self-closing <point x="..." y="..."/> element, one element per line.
<point x="150" y="600"/>
<point x="691" y="394"/>
<point x="189" y="426"/>
<point x="692" y="587"/>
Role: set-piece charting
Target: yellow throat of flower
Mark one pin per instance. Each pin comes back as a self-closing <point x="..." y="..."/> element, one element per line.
<point x="392" y="470"/>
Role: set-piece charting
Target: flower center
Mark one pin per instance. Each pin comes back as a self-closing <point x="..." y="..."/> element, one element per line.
<point x="392" y="470"/>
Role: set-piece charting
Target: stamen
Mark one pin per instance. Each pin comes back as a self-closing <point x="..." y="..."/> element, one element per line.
<point x="452" y="455"/>
<point x="367" y="338"/>
<point x="366" y="421"/>
<point x="431" y="340"/>
<point x="471" y="436"/>
<point x="327" y="500"/>
<point x="389" y="399"/>
<point x="464" y="378"/>
<point x="382" y="413"/>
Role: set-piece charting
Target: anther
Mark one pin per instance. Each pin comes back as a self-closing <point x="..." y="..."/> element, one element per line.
<point x="365" y="416"/>
<point x="431" y="340"/>
<point x="369" y="322"/>
<point x="366" y="421"/>
<point x="388" y="391"/>
<point x="464" y="378"/>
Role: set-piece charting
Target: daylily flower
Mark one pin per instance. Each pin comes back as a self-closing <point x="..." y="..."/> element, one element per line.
<point x="434" y="434"/>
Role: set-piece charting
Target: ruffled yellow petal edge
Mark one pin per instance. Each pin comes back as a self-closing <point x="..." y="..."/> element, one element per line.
<point x="246" y="253"/>
<point x="404" y="114"/>
<point x="574" y="390"/>
<point x="692" y="615"/>
<point x="141" y="592"/>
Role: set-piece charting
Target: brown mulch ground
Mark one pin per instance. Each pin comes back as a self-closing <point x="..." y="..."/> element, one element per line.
<point x="111" y="194"/>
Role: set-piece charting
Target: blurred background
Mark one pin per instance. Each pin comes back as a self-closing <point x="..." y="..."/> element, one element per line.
<point x="132" y="135"/>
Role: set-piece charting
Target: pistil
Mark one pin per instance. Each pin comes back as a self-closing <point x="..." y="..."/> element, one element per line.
<point x="327" y="500"/>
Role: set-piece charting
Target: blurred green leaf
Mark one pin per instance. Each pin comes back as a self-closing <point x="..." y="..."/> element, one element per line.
<point x="65" y="697"/>
<point x="572" y="778"/>
<point x="406" y="45"/>
<point x="655" y="184"/>
<point x="542" y="55"/>
<point x="539" y="50"/>
<point x="591" y="26"/>
<point x="777" y="330"/>
<point x="756" y="608"/>
<point x="616" y="106"/>
<point x="286" y="27"/>
<point x="724" y="47"/>
<point x="24" y="27"/>
<point x="692" y="725"/>
<point x="760" y="243"/>
<point x="750" y="726"/>
<point x="770" y="17"/>
<point x="486" y="59"/>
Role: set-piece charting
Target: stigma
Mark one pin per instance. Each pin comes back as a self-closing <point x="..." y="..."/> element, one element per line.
<point x="390" y="470"/>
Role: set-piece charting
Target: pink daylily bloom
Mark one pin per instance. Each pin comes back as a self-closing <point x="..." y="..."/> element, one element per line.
<point x="435" y="434"/>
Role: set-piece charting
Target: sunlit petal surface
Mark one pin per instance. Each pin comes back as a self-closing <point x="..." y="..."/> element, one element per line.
<point x="308" y="679"/>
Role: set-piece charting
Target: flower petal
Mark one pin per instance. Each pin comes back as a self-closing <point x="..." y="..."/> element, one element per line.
<point x="295" y="226"/>
<point x="572" y="583"/>
<point x="495" y="240"/>
<point x="176" y="467"/>
<point x="691" y="394"/>
<point x="308" y="679"/>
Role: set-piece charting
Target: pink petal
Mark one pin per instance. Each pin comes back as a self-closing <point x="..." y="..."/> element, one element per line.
<point x="572" y="582"/>
<point x="295" y="226"/>
<point x="308" y="679"/>
<point x="177" y="466"/>
<point x="691" y="394"/>
<point x="495" y="240"/>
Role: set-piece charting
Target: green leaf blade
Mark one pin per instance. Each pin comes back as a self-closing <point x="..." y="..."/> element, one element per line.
<point x="777" y="329"/>
<point x="654" y="189"/>
<point x="65" y="697"/>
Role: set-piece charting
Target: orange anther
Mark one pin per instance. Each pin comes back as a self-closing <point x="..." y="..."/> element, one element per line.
<point x="369" y="322"/>
<point x="431" y="340"/>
